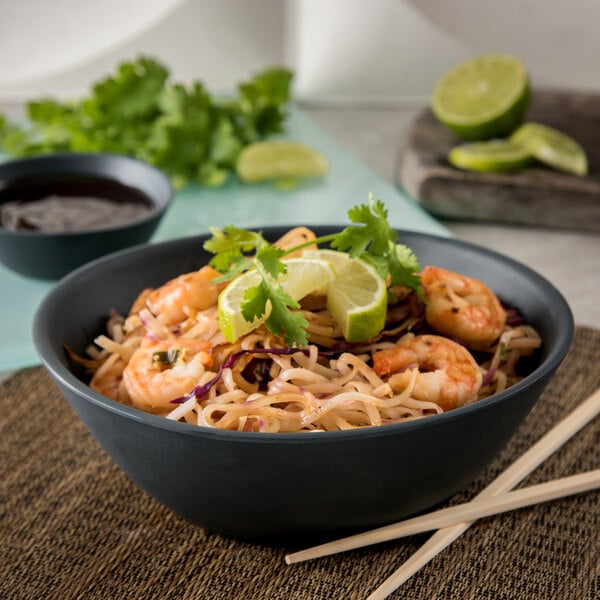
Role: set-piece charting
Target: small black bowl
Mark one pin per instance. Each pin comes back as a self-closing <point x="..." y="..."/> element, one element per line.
<point x="259" y="486"/>
<point x="122" y="180"/>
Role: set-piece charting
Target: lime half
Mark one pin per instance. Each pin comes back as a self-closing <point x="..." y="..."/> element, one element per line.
<point x="304" y="276"/>
<point x="357" y="296"/>
<point x="493" y="156"/>
<point x="280" y="161"/>
<point x="552" y="147"/>
<point x="483" y="97"/>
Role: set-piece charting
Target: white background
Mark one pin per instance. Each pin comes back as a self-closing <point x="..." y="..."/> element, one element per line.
<point x="345" y="51"/>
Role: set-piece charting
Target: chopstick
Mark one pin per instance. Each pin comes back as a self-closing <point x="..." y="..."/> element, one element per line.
<point x="468" y="511"/>
<point x="507" y="480"/>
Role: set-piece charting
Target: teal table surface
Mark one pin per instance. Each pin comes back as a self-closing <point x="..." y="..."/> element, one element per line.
<point x="195" y="210"/>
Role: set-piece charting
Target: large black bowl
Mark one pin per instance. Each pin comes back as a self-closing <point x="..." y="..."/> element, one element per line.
<point x="261" y="486"/>
<point x="50" y="255"/>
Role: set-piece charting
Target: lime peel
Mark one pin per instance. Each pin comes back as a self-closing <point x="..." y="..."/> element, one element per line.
<point x="552" y="147"/>
<point x="492" y="156"/>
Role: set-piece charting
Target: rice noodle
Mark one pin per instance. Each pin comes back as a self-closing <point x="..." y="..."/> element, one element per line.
<point x="257" y="384"/>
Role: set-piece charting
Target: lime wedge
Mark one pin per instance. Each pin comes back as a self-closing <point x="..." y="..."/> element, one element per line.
<point x="493" y="156"/>
<point x="281" y="161"/>
<point x="552" y="147"/>
<point x="356" y="298"/>
<point x="304" y="276"/>
<point x="483" y="97"/>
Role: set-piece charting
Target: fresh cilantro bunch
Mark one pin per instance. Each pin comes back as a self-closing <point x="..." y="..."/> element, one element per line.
<point x="137" y="111"/>
<point x="370" y="238"/>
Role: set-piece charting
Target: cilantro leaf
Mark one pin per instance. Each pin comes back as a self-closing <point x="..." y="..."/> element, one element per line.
<point x="291" y="324"/>
<point x="255" y="300"/>
<point x="372" y="236"/>
<point x="263" y="103"/>
<point x="225" y="145"/>
<point x="404" y="267"/>
<point x="133" y="92"/>
<point x="284" y="319"/>
<point x="407" y="258"/>
<point x="230" y="264"/>
<point x="270" y="259"/>
<point x="232" y="238"/>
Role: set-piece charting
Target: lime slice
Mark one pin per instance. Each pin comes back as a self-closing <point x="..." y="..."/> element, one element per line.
<point x="552" y="147"/>
<point x="280" y="160"/>
<point x="483" y="97"/>
<point x="333" y="257"/>
<point x="491" y="156"/>
<point x="356" y="298"/>
<point x="304" y="276"/>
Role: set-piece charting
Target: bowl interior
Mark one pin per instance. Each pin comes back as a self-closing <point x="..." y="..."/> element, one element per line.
<point x="114" y="282"/>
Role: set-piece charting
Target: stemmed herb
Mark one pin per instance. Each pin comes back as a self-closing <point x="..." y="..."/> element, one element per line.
<point x="370" y="238"/>
<point x="140" y="111"/>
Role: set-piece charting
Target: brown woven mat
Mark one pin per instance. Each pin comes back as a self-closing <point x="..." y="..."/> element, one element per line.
<point x="73" y="526"/>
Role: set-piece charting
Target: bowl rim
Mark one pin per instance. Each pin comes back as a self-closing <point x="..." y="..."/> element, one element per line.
<point x="67" y="379"/>
<point x="86" y="164"/>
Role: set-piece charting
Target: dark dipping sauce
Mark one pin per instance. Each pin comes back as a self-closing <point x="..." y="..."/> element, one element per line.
<point x="58" y="204"/>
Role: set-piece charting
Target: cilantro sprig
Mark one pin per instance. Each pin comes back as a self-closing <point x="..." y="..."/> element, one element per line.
<point x="370" y="238"/>
<point x="237" y="250"/>
<point x="139" y="112"/>
<point x="373" y="239"/>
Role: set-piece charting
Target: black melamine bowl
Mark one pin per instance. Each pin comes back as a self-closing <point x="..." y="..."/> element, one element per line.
<point x="50" y="255"/>
<point x="259" y="486"/>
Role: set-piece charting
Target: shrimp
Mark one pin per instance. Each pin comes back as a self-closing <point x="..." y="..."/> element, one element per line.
<point x="160" y="371"/>
<point x="462" y="308"/>
<point x="192" y="291"/>
<point x="447" y="373"/>
<point x="295" y="237"/>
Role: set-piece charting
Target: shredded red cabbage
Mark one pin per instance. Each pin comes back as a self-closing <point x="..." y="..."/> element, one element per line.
<point x="488" y="377"/>
<point x="513" y="317"/>
<point x="201" y="390"/>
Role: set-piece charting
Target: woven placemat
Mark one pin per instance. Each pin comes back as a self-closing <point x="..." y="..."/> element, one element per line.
<point x="73" y="526"/>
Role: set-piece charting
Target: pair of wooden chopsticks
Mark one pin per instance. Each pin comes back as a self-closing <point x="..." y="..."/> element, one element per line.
<point x="495" y="498"/>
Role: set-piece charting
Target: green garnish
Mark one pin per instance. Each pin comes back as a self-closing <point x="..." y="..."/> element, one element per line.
<point x="284" y="317"/>
<point x="502" y="354"/>
<point x="371" y="239"/>
<point x="374" y="241"/>
<point x="138" y="112"/>
<point x="166" y="358"/>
